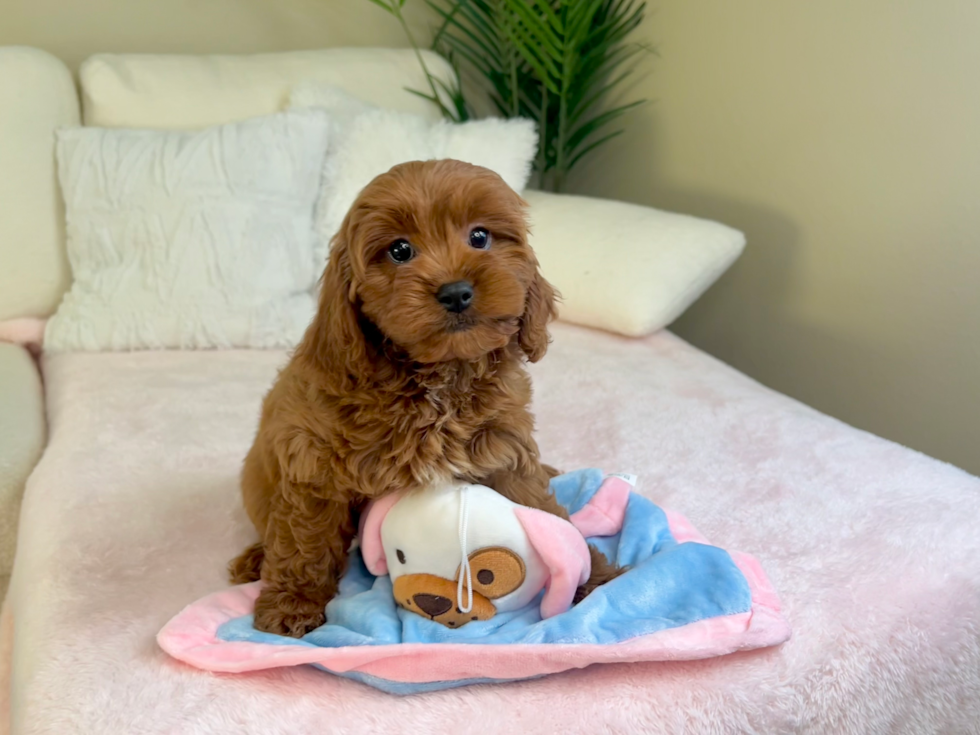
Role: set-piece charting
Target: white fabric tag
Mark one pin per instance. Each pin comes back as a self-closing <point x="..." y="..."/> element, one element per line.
<point x="631" y="479"/>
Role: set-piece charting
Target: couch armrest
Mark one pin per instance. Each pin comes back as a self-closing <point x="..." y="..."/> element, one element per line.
<point x="37" y="96"/>
<point x="22" y="435"/>
<point x="623" y="267"/>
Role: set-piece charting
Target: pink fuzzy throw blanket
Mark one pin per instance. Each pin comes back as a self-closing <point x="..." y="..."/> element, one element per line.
<point x="135" y="510"/>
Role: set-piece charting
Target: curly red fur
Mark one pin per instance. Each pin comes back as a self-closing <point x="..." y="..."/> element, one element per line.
<point x="388" y="391"/>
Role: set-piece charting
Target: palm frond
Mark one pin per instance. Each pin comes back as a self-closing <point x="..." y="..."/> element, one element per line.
<point x="593" y="124"/>
<point x="554" y="61"/>
<point x="593" y="145"/>
<point x="383" y="5"/>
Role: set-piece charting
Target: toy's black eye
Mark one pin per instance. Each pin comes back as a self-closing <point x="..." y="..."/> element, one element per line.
<point x="480" y="238"/>
<point x="401" y="555"/>
<point x="484" y="576"/>
<point x="400" y="251"/>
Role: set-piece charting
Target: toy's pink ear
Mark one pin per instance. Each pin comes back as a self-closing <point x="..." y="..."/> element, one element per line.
<point x="370" y="534"/>
<point x="603" y="515"/>
<point x="563" y="550"/>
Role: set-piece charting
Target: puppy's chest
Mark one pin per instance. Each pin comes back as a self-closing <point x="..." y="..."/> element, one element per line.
<point x="429" y="435"/>
<point x="445" y="422"/>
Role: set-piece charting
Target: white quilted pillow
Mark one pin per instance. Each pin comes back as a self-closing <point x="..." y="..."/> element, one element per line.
<point x="366" y="141"/>
<point x="190" y="239"/>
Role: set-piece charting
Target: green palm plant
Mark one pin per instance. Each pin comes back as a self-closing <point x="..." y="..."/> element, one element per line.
<point x="554" y="61"/>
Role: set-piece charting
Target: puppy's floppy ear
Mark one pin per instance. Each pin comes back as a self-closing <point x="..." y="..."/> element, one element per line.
<point x="539" y="308"/>
<point x="335" y="338"/>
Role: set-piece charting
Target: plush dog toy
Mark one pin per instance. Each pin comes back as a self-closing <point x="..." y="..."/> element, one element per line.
<point x="459" y="552"/>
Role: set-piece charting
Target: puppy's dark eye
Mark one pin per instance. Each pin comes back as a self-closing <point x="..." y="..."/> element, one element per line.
<point x="480" y="238"/>
<point x="401" y="555"/>
<point x="400" y="251"/>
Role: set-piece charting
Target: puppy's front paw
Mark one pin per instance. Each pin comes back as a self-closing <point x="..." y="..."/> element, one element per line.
<point x="278" y="613"/>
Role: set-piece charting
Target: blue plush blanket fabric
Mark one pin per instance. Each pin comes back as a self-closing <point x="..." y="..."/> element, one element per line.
<point x="668" y="585"/>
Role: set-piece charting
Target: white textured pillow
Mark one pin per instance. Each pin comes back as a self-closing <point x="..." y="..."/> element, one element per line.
<point x="623" y="267"/>
<point x="181" y="240"/>
<point x="366" y="141"/>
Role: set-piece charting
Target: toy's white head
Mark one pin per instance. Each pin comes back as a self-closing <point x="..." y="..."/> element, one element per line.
<point x="458" y="553"/>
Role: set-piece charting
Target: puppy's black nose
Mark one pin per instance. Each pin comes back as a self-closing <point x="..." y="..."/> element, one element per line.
<point x="432" y="605"/>
<point x="455" y="297"/>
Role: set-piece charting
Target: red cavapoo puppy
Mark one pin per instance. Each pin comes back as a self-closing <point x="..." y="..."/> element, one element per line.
<point x="412" y="371"/>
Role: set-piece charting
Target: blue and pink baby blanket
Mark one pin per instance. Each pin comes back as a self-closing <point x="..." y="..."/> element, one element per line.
<point x="681" y="599"/>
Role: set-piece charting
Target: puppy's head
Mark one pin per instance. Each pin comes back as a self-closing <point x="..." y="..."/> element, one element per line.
<point x="434" y="257"/>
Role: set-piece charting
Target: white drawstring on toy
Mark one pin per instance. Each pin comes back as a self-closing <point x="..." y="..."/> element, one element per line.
<point x="464" y="562"/>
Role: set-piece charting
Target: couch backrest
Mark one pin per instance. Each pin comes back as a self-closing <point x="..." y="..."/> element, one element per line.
<point x="37" y="96"/>
<point x="148" y="91"/>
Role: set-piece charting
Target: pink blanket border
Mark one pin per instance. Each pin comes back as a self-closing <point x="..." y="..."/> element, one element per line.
<point x="191" y="637"/>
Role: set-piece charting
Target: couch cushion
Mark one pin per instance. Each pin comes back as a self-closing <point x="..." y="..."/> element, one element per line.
<point x="623" y="267"/>
<point x="21" y="439"/>
<point x="37" y="96"/>
<point x="136" y="90"/>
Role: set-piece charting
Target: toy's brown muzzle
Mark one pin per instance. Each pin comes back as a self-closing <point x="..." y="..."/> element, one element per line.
<point x="435" y="598"/>
<point x="496" y="571"/>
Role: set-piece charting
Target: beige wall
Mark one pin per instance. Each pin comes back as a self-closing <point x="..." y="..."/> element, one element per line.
<point x="844" y="138"/>
<point x="75" y="29"/>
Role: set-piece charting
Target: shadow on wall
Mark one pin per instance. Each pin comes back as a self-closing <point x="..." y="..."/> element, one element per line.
<point x="756" y="289"/>
<point x="752" y="317"/>
<point x="789" y="353"/>
<point x="838" y="374"/>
